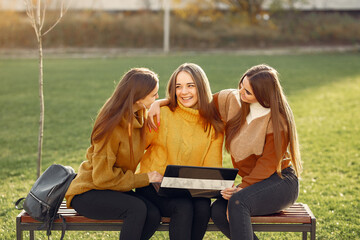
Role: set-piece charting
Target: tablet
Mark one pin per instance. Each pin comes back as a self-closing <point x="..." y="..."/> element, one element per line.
<point x="195" y="181"/>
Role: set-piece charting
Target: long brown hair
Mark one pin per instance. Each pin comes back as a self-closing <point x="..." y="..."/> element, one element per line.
<point x="265" y="84"/>
<point x="136" y="84"/>
<point x="206" y="108"/>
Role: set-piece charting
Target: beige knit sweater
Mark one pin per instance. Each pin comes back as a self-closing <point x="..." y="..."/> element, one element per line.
<point x="252" y="150"/>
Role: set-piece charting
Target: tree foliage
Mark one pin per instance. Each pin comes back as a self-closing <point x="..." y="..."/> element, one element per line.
<point x="213" y="9"/>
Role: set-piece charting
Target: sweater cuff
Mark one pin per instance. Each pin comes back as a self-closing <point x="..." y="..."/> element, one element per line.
<point x="141" y="180"/>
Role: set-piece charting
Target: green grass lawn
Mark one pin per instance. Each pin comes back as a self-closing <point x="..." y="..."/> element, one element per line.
<point x="323" y="90"/>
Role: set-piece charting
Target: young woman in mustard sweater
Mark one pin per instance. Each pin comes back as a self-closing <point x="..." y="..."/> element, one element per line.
<point x="103" y="186"/>
<point x="262" y="140"/>
<point x="190" y="134"/>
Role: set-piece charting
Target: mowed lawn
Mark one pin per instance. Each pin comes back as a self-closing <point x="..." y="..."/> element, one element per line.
<point x="323" y="91"/>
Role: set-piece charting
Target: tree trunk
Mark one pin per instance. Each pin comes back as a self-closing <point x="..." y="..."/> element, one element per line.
<point x="37" y="19"/>
<point x="41" y="96"/>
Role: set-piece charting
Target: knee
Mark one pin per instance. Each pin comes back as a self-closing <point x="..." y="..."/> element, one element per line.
<point x="218" y="209"/>
<point x="138" y="208"/>
<point x="238" y="201"/>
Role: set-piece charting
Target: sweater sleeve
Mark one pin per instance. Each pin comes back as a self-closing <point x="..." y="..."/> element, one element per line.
<point x="106" y="175"/>
<point x="228" y="103"/>
<point x="267" y="163"/>
<point x="213" y="157"/>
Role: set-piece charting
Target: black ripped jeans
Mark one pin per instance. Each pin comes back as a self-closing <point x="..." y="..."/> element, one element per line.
<point x="141" y="217"/>
<point x="189" y="216"/>
<point x="266" y="197"/>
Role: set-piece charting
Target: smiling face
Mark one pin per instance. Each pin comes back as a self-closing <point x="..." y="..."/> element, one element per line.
<point x="186" y="91"/>
<point x="246" y="91"/>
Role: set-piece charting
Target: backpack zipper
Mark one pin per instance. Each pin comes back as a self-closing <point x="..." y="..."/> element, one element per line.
<point x="44" y="203"/>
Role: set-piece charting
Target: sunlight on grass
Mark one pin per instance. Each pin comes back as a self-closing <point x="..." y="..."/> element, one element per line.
<point x="328" y="124"/>
<point x="323" y="91"/>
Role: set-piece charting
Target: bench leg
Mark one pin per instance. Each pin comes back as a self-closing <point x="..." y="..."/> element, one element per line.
<point x="304" y="235"/>
<point x="19" y="234"/>
<point x="32" y="235"/>
<point x="313" y="229"/>
<point x="313" y="232"/>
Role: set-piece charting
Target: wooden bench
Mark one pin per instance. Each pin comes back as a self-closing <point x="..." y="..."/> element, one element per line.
<point x="297" y="218"/>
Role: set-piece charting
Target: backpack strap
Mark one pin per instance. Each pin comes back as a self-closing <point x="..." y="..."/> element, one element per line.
<point x="18" y="202"/>
<point x="63" y="227"/>
<point x="48" y="224"/>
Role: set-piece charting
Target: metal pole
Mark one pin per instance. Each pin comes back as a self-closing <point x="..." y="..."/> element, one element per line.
<point x="167" y="25"/>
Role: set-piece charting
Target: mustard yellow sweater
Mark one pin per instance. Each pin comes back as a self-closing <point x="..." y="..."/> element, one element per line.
<point x="181" y="140"/>
<point x="111" y="167"/>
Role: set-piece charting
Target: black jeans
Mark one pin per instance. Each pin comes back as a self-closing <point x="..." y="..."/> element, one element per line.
<point x="266" y="197"/>
<point x="141" y="217"/>
<point x="189" y="216"/>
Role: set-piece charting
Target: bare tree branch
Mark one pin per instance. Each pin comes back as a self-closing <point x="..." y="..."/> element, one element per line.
<point x="31" y="14"/>
<point x="38" y="14"/>
<point x="62" y="13"/>
<point x="43" y="16"/>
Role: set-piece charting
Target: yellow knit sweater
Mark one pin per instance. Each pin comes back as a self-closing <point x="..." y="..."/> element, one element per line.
<point x="181" y="140"/>
<point x="111" y="167"/>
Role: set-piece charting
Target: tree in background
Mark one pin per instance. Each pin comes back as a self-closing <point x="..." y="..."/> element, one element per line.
<point x="252" y="8"/>
<point x="288" y="10"/>
<point x="36" y="11"/>
<point x="212" y="9"/>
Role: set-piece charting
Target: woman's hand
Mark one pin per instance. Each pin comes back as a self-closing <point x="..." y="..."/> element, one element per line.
<point x="154" y="111"/>
<point x="154" y="176"/>
<point x="228" y="192"/>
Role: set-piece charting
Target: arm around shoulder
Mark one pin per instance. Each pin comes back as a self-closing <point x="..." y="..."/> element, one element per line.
<point x="154" y="112"/>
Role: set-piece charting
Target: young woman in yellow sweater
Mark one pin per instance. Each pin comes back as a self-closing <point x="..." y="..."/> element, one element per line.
<point x="190" y="134"/>
<point x="262" y="140"/>
<point x="103" y="186"/>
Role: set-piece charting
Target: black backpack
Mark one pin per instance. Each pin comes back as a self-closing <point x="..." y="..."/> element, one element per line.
<point x="45" y="197"/>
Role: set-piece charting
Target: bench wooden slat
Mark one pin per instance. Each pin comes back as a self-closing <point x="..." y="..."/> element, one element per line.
<point x="294" y="214"/>
<point x="297" y="218"/>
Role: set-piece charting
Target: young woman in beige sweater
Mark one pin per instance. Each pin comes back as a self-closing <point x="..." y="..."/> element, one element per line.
<point x="262" y="140"/>
<point x="103" y="186"/>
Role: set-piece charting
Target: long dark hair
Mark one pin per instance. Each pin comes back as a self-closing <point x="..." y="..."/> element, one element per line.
<point x="136" y="84"/>
<point x="206" y="108"/>
<point x="265" y="84"/>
